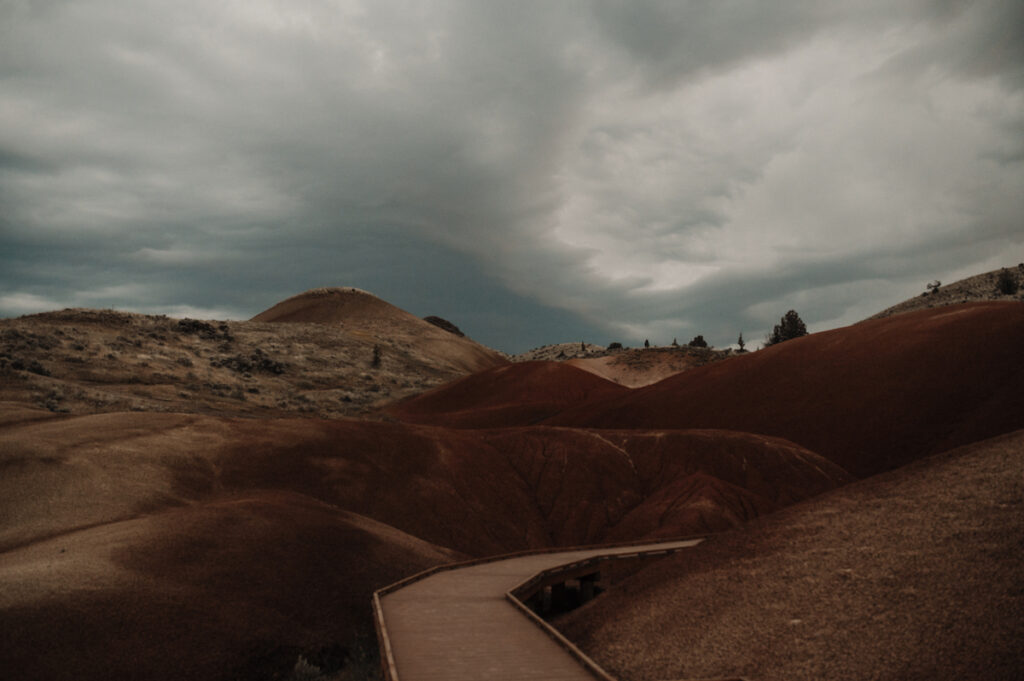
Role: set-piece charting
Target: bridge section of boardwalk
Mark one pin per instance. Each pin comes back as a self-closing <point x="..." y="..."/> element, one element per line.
<point x="463" y="621"/>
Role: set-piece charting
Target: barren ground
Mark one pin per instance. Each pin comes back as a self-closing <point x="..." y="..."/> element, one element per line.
<point x="916" y="574"/>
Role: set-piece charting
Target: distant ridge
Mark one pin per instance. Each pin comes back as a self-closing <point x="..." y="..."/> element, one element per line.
<point x="972" y="289"/>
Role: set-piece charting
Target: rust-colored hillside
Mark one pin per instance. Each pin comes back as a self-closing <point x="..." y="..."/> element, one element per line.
<point x="515" y="394"/>
<point x="870" y="397"/>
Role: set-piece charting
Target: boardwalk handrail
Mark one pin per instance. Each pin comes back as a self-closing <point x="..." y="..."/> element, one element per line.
<point x="390" y="671"/>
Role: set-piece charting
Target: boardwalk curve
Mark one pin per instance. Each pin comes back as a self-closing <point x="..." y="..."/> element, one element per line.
<point x="469" y="620"/>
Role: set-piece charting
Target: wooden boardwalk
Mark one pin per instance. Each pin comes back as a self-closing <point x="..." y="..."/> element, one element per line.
<point x="457" y="624"/>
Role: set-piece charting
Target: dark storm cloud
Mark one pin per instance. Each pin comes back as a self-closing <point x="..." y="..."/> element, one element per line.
<point x="537" y="171"/>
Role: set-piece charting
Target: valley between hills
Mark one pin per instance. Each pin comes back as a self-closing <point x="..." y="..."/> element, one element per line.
<point x="219" y="499"/>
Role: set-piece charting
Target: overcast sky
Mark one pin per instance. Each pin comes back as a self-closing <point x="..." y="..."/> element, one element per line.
<point x="535" y="172"/>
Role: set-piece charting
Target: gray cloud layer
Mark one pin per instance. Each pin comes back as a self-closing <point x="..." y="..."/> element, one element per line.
<point x="537" y="171"/>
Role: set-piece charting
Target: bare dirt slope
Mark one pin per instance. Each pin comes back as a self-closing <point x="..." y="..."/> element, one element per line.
<point x="90" y="361"/>
<point x="869" y="397"/>
<point x="234" y="587"/>
<point x="515" y="394"/>
<point x="913" y="575"/>
<point x="477" y="492"/>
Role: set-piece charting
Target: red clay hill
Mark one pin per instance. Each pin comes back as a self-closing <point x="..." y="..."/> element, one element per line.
<point x="870" y="397"/>
<point x="520" y="394"/>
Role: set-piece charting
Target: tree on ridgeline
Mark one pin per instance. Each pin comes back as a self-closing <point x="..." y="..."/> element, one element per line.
<point x="1007" y="283"/>
<point x="788" y="328"/>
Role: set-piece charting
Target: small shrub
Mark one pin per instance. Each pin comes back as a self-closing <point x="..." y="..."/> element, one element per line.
<point x="698" y="342"/>
<point x="615" y="346"/>
<point x="1007" y="283"/>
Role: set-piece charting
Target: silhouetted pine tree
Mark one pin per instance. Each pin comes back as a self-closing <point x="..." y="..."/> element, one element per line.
<point x="788" y="328"/>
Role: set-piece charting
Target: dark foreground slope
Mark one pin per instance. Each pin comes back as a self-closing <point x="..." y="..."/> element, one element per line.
<point x="870" y="397"/>
<point x="515" y="394"/>
<point x="912" y="575"/>
<point x="168" y="546"/>
<point x="232" y="587"/>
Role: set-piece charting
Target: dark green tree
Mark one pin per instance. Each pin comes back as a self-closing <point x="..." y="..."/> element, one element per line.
<point x="788" y="328"/>
<point x="647" y="343"/>
<point x="1007" y="283"/>
<point x="698" y="342"/>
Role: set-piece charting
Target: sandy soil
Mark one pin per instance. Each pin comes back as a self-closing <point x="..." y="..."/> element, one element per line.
<point x="915" y="574"/>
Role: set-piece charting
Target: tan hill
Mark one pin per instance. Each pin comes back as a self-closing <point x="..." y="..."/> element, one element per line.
<point x="911" y="575"/>
<point x="635" y="368"/>
<point x="560" y="352"/>
<point x="631" y="367"/>
<point x="979" y="287"/>
<point x="365" y="316"/>
<point x="91" y="361"/>
<point x="869" y="397"/>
